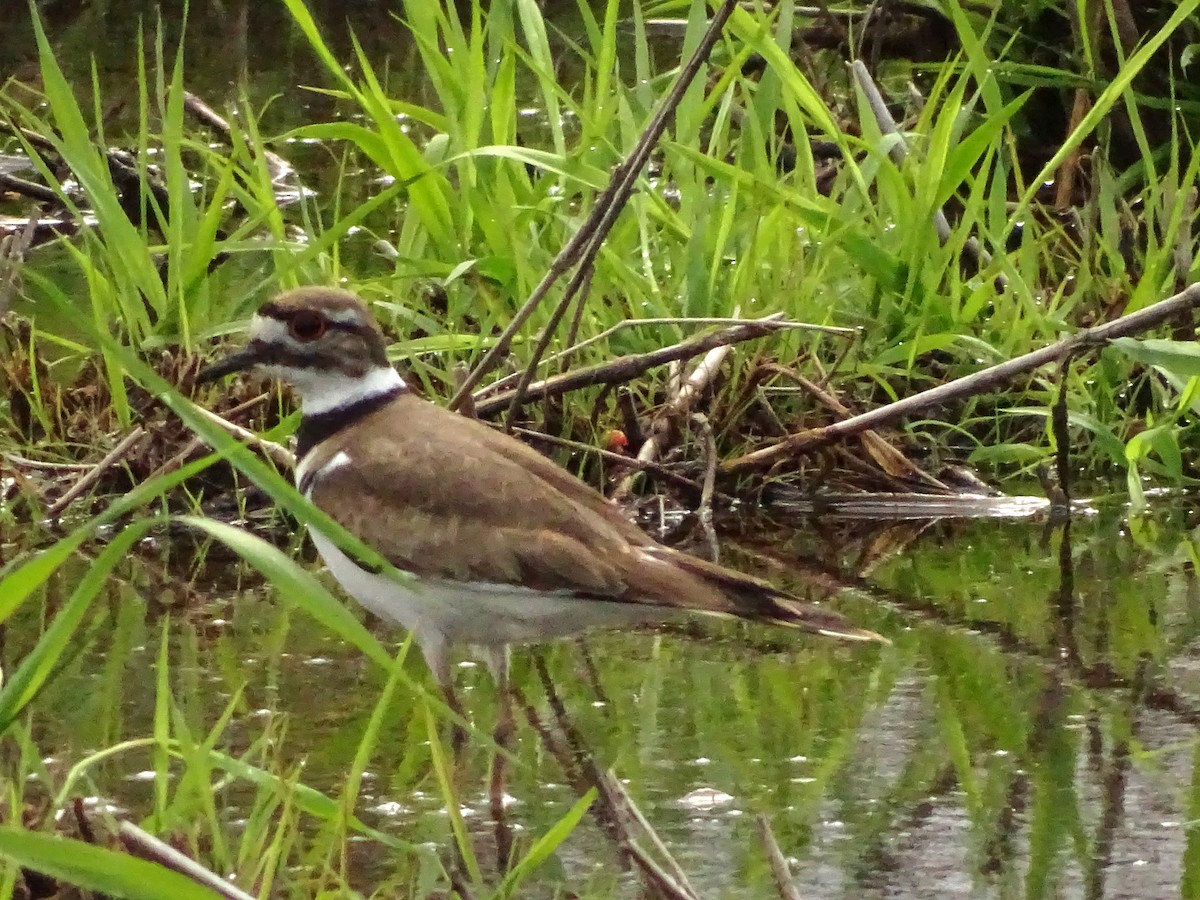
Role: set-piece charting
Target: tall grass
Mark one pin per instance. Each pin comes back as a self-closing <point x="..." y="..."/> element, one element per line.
<point x="474" y="201"/>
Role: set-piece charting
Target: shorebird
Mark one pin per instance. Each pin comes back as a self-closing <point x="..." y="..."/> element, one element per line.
<point x="504" y="546"/>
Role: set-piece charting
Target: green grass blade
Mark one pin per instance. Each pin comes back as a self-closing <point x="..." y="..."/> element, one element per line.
<point x="36" y="667"/>
<point x="297" y="584"/>
<point x="95" y="868"/>
<point x="546" y="845"/>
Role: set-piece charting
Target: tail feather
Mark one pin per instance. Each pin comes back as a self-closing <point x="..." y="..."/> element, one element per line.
<point x="758" y="600"/>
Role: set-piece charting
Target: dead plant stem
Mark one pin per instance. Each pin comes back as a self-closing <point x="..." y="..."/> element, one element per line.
<point x="967" y="386"/>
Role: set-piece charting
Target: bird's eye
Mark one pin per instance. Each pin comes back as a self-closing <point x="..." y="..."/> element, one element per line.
<point x="307" y="325"/>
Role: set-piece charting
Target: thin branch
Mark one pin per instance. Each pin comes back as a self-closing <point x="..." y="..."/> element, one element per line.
<point x="277" y="453"/>
<point x="704" y="510"/>
<point x="626" y="368"/>
<point x="507" y="380"/>
<point x="779" y="867"/>
<point x="617" y="790"/>
<point x="658" y="469"/>
<point x="969" y="385"/>
<point x="126" y="446"/>
<point x="613" y="805"/>
<point x="657" y="442"/>
<point x="196" y="443"/>
<point x="147" y="846"/>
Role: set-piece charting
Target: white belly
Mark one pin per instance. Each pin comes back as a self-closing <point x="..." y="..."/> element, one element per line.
<point x="486" y="615"/>
<point x="491" y="616"/>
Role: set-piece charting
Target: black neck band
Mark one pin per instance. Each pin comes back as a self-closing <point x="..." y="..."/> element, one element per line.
<point x="314" y="429"/>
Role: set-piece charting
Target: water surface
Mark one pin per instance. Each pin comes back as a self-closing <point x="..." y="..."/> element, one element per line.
<point x="1030" y="732"/>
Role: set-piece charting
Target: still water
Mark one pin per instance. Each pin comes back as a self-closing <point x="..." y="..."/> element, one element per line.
<point x="1030" y="732"/>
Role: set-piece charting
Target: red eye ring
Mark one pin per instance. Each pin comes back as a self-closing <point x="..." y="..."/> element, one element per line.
<point x="306" y="325"/>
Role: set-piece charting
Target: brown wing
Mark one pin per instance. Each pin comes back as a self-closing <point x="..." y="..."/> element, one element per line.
<point x="448" y="497"/>
<point x="442" y="501"/>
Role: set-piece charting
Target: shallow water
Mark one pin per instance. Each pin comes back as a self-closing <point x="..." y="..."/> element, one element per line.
<point x="1030" y="732"/>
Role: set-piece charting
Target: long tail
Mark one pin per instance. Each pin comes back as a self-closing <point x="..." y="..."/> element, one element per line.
<point x="758" y="600"/>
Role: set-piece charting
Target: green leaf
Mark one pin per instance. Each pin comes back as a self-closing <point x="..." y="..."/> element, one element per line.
<point x="297" y="584"/>
<point x="37" y="666"/>
<point x="97" y="869"/>
<point x="1177" y="357"/>
<point x="546" y="845"/>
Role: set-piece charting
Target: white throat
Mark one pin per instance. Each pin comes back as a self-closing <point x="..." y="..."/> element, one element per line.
<point x="322" y="392"/>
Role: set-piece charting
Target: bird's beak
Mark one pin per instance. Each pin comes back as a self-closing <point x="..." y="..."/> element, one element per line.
<point x="246" y="358"/>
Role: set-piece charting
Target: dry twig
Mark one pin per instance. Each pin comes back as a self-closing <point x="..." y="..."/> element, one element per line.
<point x="657" y="442"/>
<point x="779" y="866"/>
<point x="969" y="385"/>
<point x="277" y="453"/>
<point x="624" y="324"/>
<point x="779" y="869"/>
<point x="176" y="461"/>
<point x="704" y="510"/>
<point x="124" y="447"/>
<point x="629" y="367"/>
<point x="147" y="846"/>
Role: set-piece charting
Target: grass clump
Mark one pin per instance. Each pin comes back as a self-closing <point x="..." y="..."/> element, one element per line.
<point x="442" y="202"/>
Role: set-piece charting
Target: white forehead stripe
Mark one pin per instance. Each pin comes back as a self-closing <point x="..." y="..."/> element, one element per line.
<point x="345" y="316"/>
<point x="340" y="460"/>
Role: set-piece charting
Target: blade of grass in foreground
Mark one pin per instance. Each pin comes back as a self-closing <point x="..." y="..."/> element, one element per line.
<point x="546" y="845"/>
<point x="296" y="583"/>
<point x="97" y="869"/>
<point x="38" y="664"/>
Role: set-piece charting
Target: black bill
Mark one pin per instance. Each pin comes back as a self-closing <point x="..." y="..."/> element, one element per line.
<point x="234" y="362"/>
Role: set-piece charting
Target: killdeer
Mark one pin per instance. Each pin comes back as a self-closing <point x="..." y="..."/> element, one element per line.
<point x="505" y="546"/>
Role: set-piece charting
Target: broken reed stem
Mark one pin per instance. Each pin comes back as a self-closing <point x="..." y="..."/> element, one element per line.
<point x="704" y="510"/>
<point x="146" y="846"/>
<point x="118" y="453"/>
<point x="779" y="867"/>
<point x="968" y="385"/>
<point x="617" y="790"/>
<point x="657" y="442"/>
<point x="507" y="380"/>
<point x="613" y="805"/>
<point x="584" y="245"/>
<point x="626" y="368"/>
<point x="898" y="153"/>
<point x="277" y="453"/>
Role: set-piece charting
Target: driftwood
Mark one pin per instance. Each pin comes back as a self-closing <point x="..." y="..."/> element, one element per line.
<point x="660" y="431"/>
<point x="970" y="385"/>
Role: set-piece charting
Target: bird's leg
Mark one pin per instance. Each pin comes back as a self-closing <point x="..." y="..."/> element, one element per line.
<point x="503" y="737"/>
<point x="438" y="658"/>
